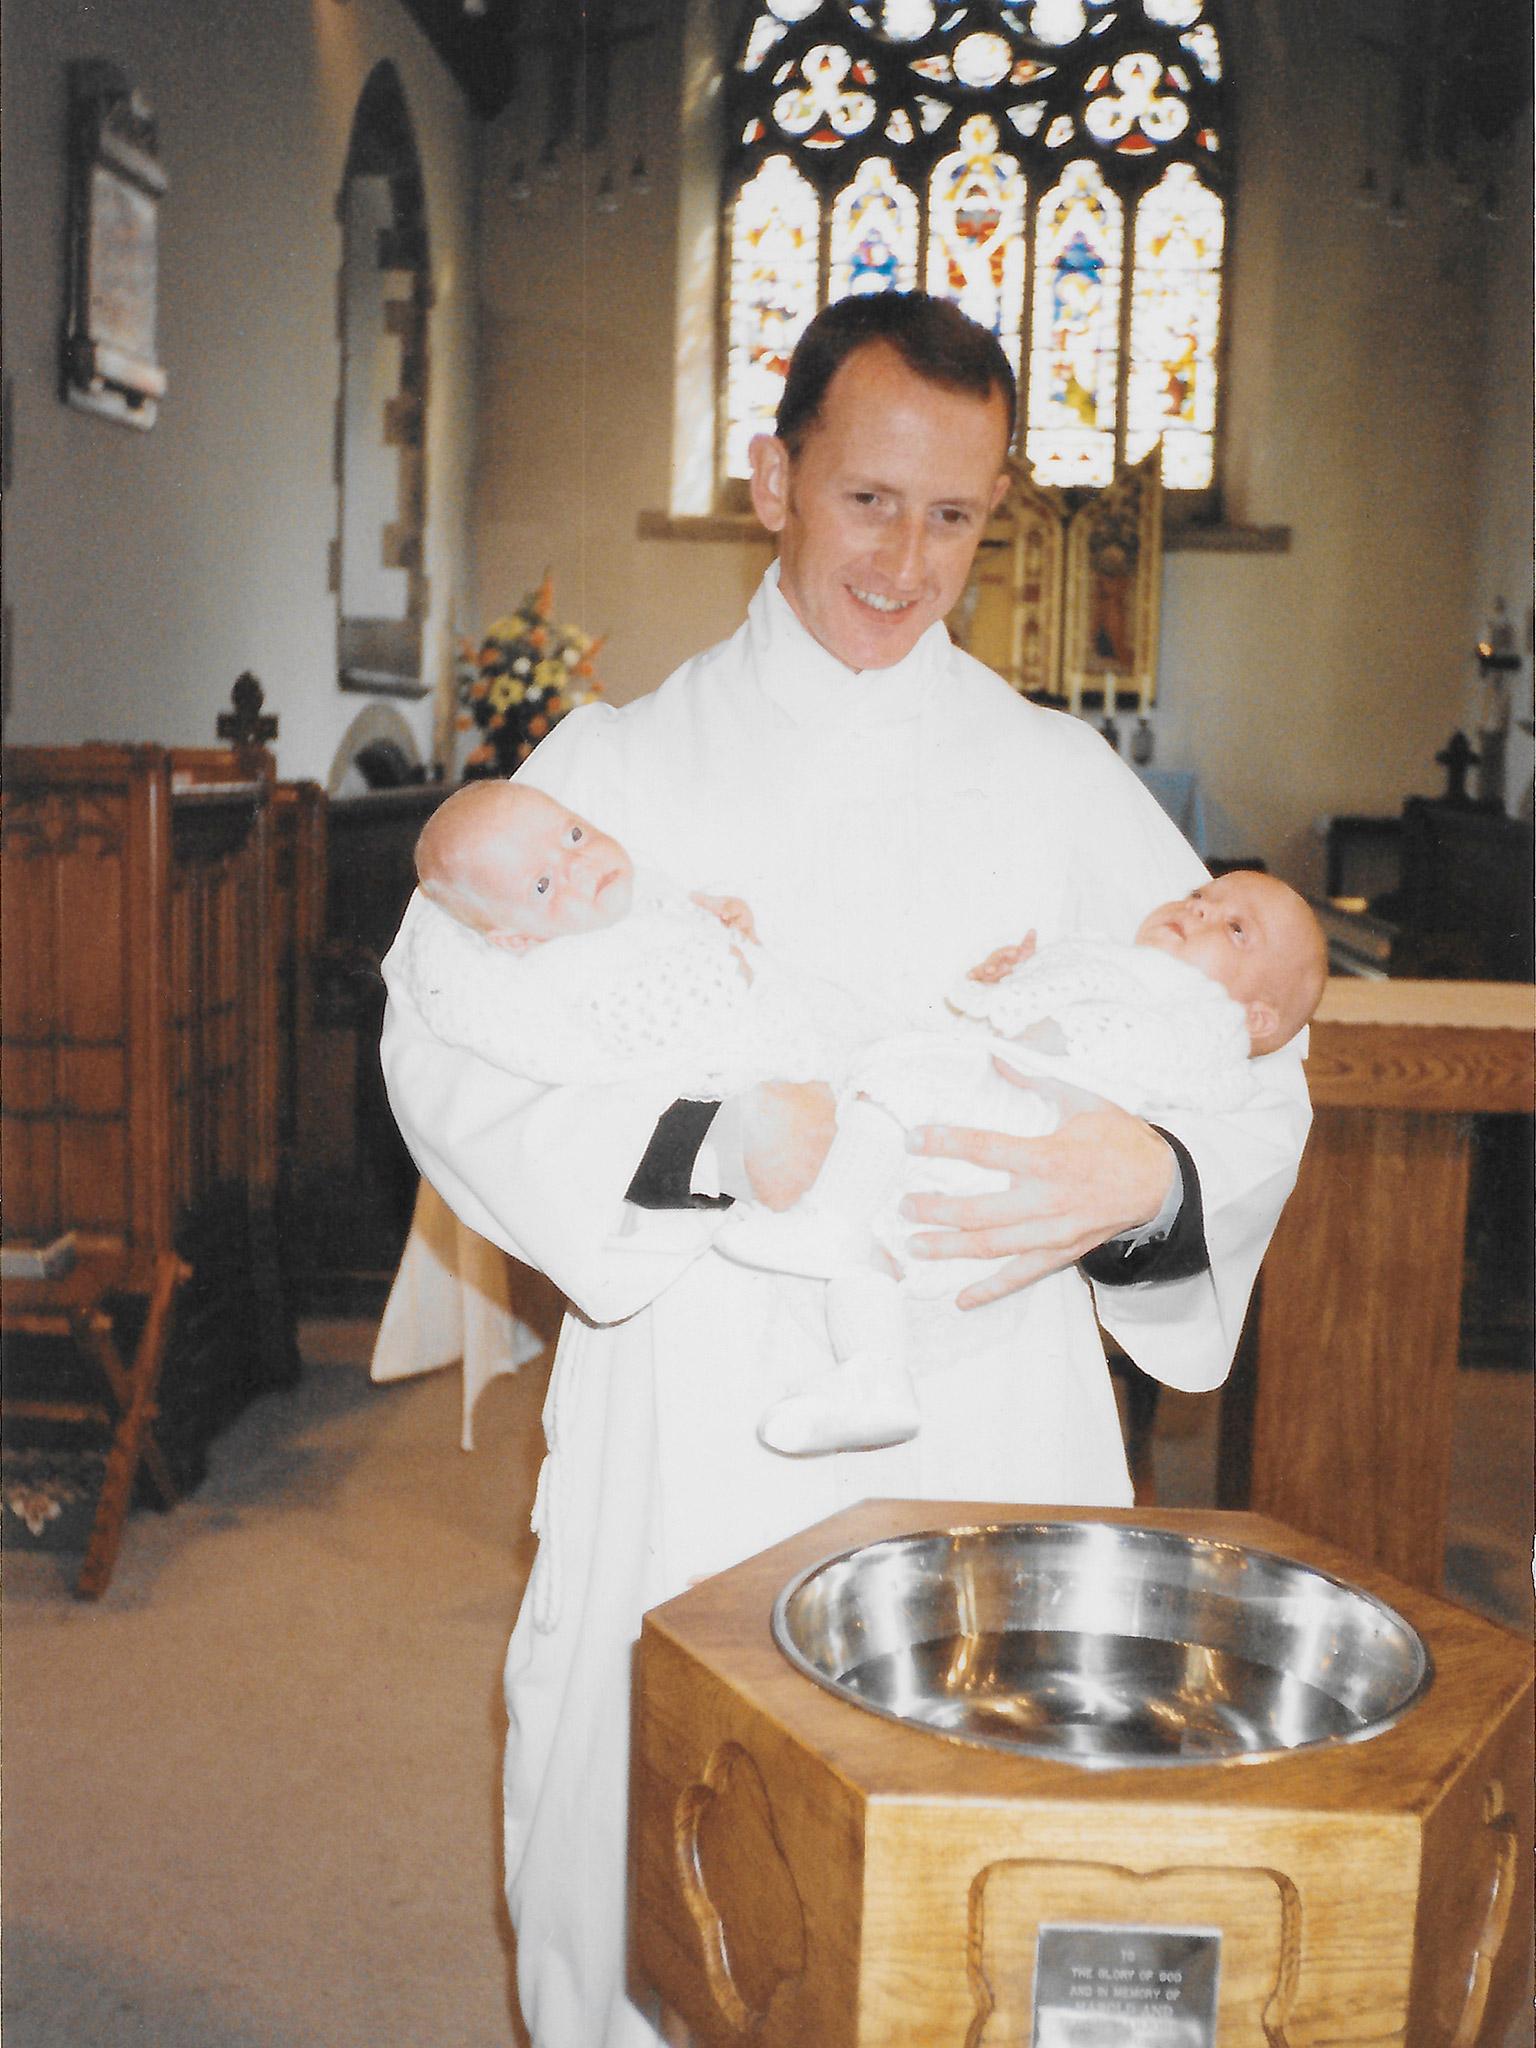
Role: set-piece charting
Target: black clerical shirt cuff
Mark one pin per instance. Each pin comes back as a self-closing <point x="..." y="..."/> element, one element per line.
<point x="1179" y="1255"/>
<point x="661" y="1180"/>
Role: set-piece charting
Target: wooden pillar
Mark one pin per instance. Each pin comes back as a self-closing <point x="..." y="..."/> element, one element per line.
<point x="1359" y="1318"/>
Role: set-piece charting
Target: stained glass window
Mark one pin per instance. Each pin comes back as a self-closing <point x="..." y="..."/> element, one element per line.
<point x="1071" y="399"/>
<point x="1056" y="167"/>
<point x="874" y="232"/>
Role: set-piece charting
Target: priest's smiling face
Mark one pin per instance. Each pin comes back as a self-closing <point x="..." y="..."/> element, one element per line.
<point x="879" y="515"/>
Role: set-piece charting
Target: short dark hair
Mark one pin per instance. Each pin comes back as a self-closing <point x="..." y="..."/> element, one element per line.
<point x="932" y="337"/>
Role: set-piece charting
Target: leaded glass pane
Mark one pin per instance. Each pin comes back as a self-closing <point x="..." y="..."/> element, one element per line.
<point x="904" y="21"/>
<point x="1175" y="321"/>
<point x="1074" y="355"/>
<point x="1202" y="45"/>
<point x="874" y="233"/>
<point x="983" y="60"/>
<point x="765" y="33"/>
<point x="1057" y="22"/>
<point x="1134" y="112"/>
<point x="1173" y="13"/>
<point x="825" y="109"/>
<point x="976" y="233"/>
<point x="793" y="10"/>
<point x="775" y="231"/>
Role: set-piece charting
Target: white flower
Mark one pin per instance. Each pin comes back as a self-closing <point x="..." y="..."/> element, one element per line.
<point x="522" y="666"/>
<point x="570" y="656"/>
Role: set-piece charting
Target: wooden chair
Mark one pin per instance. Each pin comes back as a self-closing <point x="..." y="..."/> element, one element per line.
<point x="74" y="1308"/>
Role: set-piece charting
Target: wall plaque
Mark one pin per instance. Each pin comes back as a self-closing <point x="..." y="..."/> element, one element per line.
<point x="115" y="185"/>
<point x="1126" y="1987"/>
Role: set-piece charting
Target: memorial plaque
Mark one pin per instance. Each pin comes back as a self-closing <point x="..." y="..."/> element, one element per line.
<point x="1126" y="1987"/>
<point x="110" y="356"/>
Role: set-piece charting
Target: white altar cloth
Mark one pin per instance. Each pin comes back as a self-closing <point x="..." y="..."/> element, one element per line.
<point x="451" y="1300"/>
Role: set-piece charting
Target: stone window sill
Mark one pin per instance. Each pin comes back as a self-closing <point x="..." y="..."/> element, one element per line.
<point x="1190" y="539"/>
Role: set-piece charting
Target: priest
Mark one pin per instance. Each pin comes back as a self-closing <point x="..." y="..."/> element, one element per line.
<point x="891" y="812"/>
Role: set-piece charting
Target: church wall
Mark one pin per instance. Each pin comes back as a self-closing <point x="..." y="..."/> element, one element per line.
<point x="1502" y="482"/>
<point x="580" y="329"/>
<point x="144" y="571"/>
<point x="1376" y="377"/>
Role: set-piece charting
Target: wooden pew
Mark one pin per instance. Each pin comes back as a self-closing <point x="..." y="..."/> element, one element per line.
<point x="140" y="1045"/>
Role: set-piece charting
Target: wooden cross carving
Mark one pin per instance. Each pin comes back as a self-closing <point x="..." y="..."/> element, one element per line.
<point x="247" y="725"/>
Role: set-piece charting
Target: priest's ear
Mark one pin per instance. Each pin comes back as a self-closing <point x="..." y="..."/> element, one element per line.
<point x="770" y="480"/>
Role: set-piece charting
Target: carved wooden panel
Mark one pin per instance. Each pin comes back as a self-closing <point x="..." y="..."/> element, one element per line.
<point x="739" y="1888"/>
<point x="83" y="1059"/>
<point x="137" y="1025"/>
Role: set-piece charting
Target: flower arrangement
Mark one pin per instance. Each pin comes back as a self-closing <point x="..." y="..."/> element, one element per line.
<point x="526" y="674"/>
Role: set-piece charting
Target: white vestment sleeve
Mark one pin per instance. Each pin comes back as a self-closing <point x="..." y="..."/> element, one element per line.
<point x="540" y="1171"/>
<point x="1184" y="1332"/>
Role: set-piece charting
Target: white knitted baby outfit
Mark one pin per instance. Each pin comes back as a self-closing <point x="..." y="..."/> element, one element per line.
<point x="1133" y="1024"/>
<point x="668" y="991"/>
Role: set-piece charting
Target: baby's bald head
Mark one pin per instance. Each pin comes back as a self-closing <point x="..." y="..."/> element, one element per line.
<point x="518" y="867"/>
<point x="1259" y="939"/>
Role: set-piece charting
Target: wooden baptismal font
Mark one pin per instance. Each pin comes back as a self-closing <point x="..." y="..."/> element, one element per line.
<point x="808" y="1873"/>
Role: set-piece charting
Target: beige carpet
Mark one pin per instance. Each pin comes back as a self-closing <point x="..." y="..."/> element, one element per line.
<point x="250" y="1798"/>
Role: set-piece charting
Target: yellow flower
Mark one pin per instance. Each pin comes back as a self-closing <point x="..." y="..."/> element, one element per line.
<point x="505" y="692"/>
<point x="550" y="674"/>
<point x="508" y="629"/>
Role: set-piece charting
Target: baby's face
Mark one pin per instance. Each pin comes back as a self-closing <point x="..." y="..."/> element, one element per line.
<point x="549" y="874"/>
<point x="1250" y="933"/>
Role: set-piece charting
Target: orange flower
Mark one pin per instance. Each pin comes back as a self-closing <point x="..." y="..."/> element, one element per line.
<point x="538" y="638"/>
<point x="537" y="727"/>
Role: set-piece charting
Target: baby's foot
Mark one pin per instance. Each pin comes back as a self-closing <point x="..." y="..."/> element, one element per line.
<point x="861" y="1405"/>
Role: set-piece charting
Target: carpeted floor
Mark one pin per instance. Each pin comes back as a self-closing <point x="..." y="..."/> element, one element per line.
<point x="250" y="1797"/>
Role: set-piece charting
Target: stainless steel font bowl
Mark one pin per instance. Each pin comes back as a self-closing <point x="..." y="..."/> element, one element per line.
<point x="1101" y="1644"/>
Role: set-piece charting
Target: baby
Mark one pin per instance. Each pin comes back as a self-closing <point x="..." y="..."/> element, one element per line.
<point x="652" y="980"/>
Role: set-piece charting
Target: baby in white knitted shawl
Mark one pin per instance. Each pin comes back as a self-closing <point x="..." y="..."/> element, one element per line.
<point x="651" y="980"/>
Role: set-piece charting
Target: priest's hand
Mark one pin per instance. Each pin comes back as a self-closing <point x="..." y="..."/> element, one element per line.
<point x="787" y="1128"/>
<point x="1100" y="1173"/>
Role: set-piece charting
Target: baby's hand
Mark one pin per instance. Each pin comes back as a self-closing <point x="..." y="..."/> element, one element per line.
<point x="999" y="965"/>
<point x="735" y="915"/>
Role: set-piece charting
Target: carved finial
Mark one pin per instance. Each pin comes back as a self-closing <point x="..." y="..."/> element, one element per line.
<point x="246" y="725"/>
